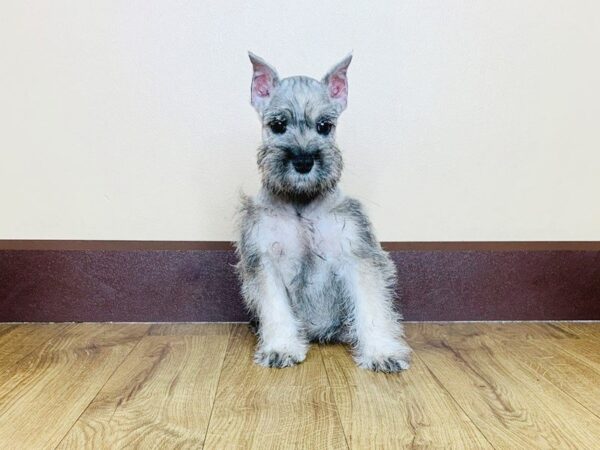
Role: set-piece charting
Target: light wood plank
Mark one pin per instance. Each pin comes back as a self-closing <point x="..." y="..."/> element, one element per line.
<point x="6" y="327"/>
<point x="404" y="410"/>
<point x="518" y="385"/>
<point x="190" y="329"/>
<point x="272" y="408"/>
<point x="582" y="329"/>
<point x="550" y="359"/>
<point x="585" y="349"/>
<point x="420" y="332"/>
<point x="47" y="390"/>
<point x="17" y="341"/>
<point x="160" y="397"/>
<point x="508" y="402"/>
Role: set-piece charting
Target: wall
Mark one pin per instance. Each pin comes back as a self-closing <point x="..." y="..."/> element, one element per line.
<point x="466" y="120"/>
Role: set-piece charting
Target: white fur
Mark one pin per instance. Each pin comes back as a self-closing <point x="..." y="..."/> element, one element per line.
<point x="311" y="266"/>
<point x="280" y="236"/>
<point x="280" y="332"/>
<point x="379" y="332"/>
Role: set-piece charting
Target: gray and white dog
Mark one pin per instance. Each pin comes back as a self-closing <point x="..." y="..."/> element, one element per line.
<point x="310" y="265"/>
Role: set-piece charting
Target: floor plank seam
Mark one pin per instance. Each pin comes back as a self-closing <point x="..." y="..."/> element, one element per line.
<point x="534" y="374"/>
<point x="578" y="358"/>
<point x="439" y="382"/>
<point x="337" y="411"/>
<point x="102" y="387"/>
<point x="214" y="400"/>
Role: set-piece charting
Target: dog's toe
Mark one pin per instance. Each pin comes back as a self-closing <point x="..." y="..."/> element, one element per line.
<point x="275" y="359"/>
<point x="386" y="364"/>
<point x="390" y="365"/>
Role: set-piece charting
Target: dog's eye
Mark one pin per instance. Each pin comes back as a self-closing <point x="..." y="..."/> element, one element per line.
<point x="277" y="126"/>
<point x="324" y="127"/>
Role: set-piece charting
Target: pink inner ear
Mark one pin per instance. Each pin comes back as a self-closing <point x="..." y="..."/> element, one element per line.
<point x="262" y="85"/>
<point x="337" y="86"/>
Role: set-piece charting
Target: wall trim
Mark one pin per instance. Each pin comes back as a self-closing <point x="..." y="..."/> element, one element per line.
<point x="162" y="281"/>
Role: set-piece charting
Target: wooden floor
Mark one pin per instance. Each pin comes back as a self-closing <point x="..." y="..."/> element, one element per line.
<point x="474" y="385"/>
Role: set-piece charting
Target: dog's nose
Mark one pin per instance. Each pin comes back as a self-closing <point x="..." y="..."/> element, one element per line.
<point x="303" y="163"/>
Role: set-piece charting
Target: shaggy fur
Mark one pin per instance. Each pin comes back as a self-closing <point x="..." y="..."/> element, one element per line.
<point x="310" y="265"/>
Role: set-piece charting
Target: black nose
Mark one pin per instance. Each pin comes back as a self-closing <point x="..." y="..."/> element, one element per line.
<point x="303" y="163"/>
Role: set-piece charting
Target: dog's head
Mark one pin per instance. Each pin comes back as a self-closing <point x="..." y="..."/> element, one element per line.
<point x="298" y="159"/>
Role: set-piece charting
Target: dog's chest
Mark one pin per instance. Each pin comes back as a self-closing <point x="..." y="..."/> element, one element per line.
<point x="295" y="239"/>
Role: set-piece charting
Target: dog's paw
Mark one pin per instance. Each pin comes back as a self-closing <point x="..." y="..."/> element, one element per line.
<point x="388" y="364"/>
<point x="385" y="363"/>
<point x="277" y="359"/>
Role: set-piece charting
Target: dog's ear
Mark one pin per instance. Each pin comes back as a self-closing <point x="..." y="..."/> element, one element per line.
<point x="336" y="82"/>
<point x="264" y="81"/>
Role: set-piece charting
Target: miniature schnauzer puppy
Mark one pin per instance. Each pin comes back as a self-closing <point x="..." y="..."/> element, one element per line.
<point x="310" y="265"/>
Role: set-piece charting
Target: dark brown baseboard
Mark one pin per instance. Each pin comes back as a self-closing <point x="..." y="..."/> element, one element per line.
<point x="195" y="281"/>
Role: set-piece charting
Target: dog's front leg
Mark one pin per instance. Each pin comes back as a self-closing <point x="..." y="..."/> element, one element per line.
<point x="280" y="342"/>
<point x="376" y="328"/>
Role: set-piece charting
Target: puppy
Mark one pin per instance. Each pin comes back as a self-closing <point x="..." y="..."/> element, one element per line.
<point x="310" y="265"/>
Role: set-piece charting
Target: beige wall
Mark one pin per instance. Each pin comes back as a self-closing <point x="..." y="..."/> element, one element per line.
<point x="468" y="120"/>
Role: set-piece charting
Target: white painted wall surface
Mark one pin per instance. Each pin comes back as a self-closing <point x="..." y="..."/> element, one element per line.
<point x="467" y="120"/>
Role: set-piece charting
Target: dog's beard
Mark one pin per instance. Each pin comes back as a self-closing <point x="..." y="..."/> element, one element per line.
<point x="281" y="180"/>
<point x="296" y="188"/>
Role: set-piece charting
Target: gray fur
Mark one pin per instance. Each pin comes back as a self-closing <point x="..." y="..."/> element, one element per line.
<point x="310" y="264"/>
